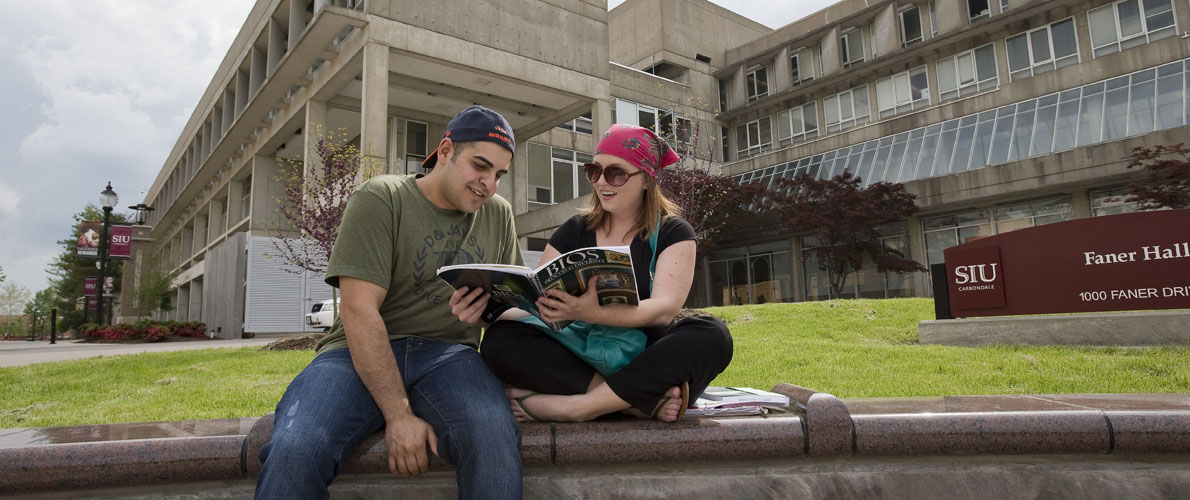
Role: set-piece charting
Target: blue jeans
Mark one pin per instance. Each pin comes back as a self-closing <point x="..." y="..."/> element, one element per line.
<point x="327" y="411"/>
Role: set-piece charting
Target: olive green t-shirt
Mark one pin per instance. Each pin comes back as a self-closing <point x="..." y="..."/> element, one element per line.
<point x="393" y="237"/>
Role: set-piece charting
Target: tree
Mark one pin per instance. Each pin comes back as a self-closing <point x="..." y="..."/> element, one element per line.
<point x="1167" y="177"/>
<point x="709" y="201"/>
<point x="2" y="276"/>
<point x="38" y="309"/>
<point x="68" y="270"/>
<point x="12" y="301"/>
<point x="843" y="218"/>
<point x="155" y="287"/>
<point x="314" y="199"/>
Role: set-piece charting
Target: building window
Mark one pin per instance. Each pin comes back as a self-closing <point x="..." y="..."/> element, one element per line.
<point x="416" y="145"/>
<point x="754" y="137"/>
<point x="758" y="83"/>
<point x="910" y="26"/>
<point x="977" y="9"/>
<point x="1125" y="106"/>
<point x="852" y="45"/>
<point x="722" y="95"/>
<point x="1112" y="201"/>
<point x="797" y="124"/>
<point x="867" y="282"/>
<point x="967" y="73"/>
<point x="675" y="128"/>
<point x="246" y="198"/>
<point x="903" y="92"/>
<point x="555" y="175"/>
<point x="846" y="109"/>
<point x="1041" y="50"/>
<point x="756" y="274"/>
<point x="1003" y="5"/>
<point x="1122" y="25"/>
<point x="581" y="124"/>
<point x="632" y="113"/>
<point x="803" y="66"/>
<point x="950" y="230"/>
<point x="933" y="20"/>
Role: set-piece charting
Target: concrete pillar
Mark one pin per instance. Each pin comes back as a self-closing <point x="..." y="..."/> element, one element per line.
<point x="277" y="45"/>
<point x="266" y="189"/>
<point x="194" y="312"/>
<point x="832" y="60"/>
<point x="217" y="224"/>
<point x="312" y="130"/>
<point x="297" y="21"/>
<point x="182" y="311"/>
<point x="517" y="191"/>
<point x="208" y="139"/>
<point x="917" y="251"/>
<point x="199" y="239"/>
<point x="235" y="206"/>
<point x="798" y="274"/>
<point x="887" y="31"/>
<point x="374" y="103"/>
<point x="951" y="15"/>
<point x="781" y="78"/>
<point x="1080" y="201"/>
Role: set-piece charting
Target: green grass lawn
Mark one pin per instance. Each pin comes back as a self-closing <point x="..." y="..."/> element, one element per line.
<point x="850" y="348"/>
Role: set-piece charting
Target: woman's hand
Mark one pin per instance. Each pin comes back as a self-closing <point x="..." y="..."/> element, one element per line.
<point x="468" y="305"/>
<point x="561" y="306"/>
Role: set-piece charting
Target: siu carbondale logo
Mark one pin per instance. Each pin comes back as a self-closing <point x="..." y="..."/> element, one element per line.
<point x="973" y="277"/>
<point x="442" y="248"/>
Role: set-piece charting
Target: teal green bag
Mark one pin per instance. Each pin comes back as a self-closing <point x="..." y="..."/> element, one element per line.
<point x="605" y="348"/>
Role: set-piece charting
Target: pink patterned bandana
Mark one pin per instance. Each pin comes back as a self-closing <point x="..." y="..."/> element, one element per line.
<point x="638" y="146"/>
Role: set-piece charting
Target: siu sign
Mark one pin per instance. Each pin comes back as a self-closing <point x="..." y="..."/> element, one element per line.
<point x="1113" y="263"/>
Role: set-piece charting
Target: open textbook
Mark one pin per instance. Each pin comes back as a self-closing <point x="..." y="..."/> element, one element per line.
<point x="519" y="286"/>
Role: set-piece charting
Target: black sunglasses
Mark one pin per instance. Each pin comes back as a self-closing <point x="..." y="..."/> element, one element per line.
<point x="614" y="175"/>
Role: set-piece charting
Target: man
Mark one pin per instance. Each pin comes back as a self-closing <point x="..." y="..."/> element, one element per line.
<point x="398" y="358"/>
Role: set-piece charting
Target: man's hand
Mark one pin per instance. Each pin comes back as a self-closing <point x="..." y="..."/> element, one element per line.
<point x="468" y="305"/>
<point x="406" y="438"/>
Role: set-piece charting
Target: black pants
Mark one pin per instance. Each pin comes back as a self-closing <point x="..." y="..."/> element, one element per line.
<point x="693" y="350"/>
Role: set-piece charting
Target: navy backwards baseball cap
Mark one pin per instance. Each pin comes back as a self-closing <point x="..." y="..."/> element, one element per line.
<point x="476" y="123"/>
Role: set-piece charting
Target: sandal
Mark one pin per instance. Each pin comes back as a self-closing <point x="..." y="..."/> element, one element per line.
<point x="520" y="402"/>
<point x="685" y="398"/>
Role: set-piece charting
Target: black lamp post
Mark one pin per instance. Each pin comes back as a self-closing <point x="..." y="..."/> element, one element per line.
<point x="107" y="200"/>
<point x="141" y="212"/>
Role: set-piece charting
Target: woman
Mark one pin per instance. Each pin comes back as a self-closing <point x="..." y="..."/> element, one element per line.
<point x="546" y="381"/>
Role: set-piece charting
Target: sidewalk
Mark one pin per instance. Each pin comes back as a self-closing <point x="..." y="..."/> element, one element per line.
<point x="22" y="352"/>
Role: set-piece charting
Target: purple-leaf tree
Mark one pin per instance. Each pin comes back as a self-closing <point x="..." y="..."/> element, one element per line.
<point x="708" y="200"/>
<point x="313" y="200"/>
<point x="843" y="217"/>
<point x="1166" y="182"/>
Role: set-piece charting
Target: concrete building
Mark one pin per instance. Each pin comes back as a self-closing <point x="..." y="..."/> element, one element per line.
<point x="1042" y="99"/>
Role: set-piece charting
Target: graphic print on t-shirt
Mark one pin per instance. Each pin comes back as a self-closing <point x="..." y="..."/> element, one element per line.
<point x="442" y="249"/>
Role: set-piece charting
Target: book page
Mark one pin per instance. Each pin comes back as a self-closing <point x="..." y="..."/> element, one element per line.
<point x="570" y="272"/>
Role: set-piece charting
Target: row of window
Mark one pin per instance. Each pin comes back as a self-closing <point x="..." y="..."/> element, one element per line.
<point x="1113" y="27"/>
<point x="761" y="273"/>
<point x="1124" y="106"/>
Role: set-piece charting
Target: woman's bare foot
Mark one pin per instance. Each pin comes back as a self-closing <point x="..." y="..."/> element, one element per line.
<point x="670" y="406"/>
<point x="528" y="406"/>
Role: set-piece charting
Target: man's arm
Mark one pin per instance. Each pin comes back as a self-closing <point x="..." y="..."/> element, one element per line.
<point x="405" y="435"/>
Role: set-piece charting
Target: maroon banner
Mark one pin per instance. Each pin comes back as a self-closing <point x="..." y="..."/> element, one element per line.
<point x="89" y="292"/>
<point x="1113" y="263"/>
<point x="121" y="243"/>
<point x="88" y="238"/>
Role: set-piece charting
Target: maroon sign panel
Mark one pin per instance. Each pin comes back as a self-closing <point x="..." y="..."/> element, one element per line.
<point x="121" y="245"/>
<point x="1111" y="263"/>
<point x="88" y="238"/>
<point x="89" y="292"/>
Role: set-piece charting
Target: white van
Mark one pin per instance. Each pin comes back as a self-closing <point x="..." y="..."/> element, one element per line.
<point x="321" y="315"/>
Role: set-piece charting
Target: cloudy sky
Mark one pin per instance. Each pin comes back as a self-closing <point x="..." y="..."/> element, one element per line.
<point x="98" y="90"/>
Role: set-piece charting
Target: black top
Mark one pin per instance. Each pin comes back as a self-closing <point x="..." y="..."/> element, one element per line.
<point x="573" y="234"/>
